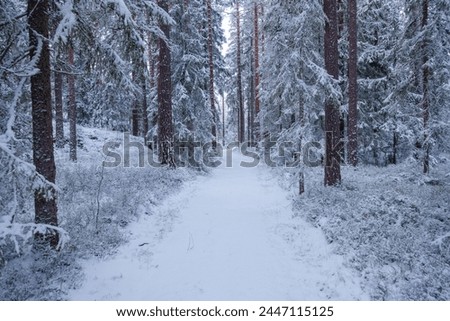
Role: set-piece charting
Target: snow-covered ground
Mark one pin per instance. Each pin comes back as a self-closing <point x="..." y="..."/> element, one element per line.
<point x="227" y="236"/>
<point x="391" y="223"/>
<point x="236" y="233"/>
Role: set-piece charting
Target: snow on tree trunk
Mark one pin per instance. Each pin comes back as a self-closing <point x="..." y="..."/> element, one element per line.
<point x="256" y="70"/>
<point x="241" y="122"/>
<point x="332" y="115"/>
<point x="145" y="126"/>
<point x="352" y="84"/>
<point x="165" y="124"/>
<point x="72" y="107"/>
<point x="135" y="106"/>
<point x="211" y="72"/>
<point x="59" y="118"/>
<point x="45" y="201"/>
<point x="152" y="77"/>
<point x="425" y="91"/>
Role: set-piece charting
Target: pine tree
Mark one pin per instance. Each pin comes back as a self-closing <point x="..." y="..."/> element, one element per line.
<point x="45" y="203"/>
<point x="352" y="83"/>
<point x="256" y="76"/>
<point x="425" y="89"/>
<point x="421" y="73"/>
<point x="291" y="74"/>
<point x="72" y="105"/>
<point x="193" y="114"/>
<point x="332" y="115"/>
<point x="59" y="118"/>
<point x="211" y="71"/>
<point x="240" y="95"/>
<point x="58" y="83"/>
<point x="165" y="125"/>
<point x="382" y="120"/>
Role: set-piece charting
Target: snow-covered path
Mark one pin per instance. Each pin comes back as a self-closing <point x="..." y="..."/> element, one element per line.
<point x="228" y="236"/>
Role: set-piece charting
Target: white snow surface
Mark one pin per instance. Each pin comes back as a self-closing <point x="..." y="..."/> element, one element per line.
<point x="230" y="235"/>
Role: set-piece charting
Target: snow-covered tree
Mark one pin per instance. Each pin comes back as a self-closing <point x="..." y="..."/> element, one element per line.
<point x="381" y="126"/>
<point x="293" y="79"/>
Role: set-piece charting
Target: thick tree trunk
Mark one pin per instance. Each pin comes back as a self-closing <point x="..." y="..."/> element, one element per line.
<point x="72" y="108"/>
<point x="332" y="115"/>
<point x="211" y="71"/>
<point x="45" y="208"/>
<point x="352" y="84"/>
<point x="59" y="118"/>
<point x="425" y="90"/>
<point x="165" y="124"/>
<point x="241" y="127"/>
<point x="341" y="30"/>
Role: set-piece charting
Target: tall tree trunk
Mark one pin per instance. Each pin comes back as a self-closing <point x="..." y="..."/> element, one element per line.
<point x="263" y="35"/>
<point x="241" y="128"/>
<point x="165" y="124"/>
<point x="59" y="118"/>
<point x="301" y="178"/>
<point x="425" y="89"/>
<point x="58" y="88"/>
<point x="223" y="118"/>
<point x="256" y="71"/>
<point x="211" y="71"/>
<point x="72" y="106"/>
<point x="46" y="211"/>
<point x="135" y="104"/>
<point x="251" y="102"/>
<point x="341" y="29"/>
<point x="145" y="127"/>
<point x="332" y="115"/>
<point x="152" y="77"/>
<point x="394" y="147"/>
<point x="352" y="84"/>
<point x="135" y="118"/>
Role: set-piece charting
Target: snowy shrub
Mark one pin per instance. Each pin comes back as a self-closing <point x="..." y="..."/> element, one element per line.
<point x="95" y="205"/>
<point x="390" y="224"/>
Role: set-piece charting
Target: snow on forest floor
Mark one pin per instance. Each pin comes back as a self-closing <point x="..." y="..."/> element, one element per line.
<point x="227" y="236"/>
<point x="237" y="233"/>
<point x="392" y="224"/>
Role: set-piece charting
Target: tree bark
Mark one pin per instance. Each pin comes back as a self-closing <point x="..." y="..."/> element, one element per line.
<point x="165" y="124"/>
<point x="241" y="122"/>
<point x="135" y="104"/>
<point x="301" y="178"/>
<point x="256" y="68"/>
<point x="332" y="115"/>
<point x="211" y="71"/>
<point x="352" y="84"/>
<point x="152" y="77"/>
<point x="59" y="118"/>
<point x="223" y="119"/>
<point x="46" y="211"/>
<point x="425" y="90"/>
<point x="145" y="126"/>
<point x="72" y="107"/>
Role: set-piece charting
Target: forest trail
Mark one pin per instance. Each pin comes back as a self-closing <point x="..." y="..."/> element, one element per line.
<point x="227" y="236"/>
